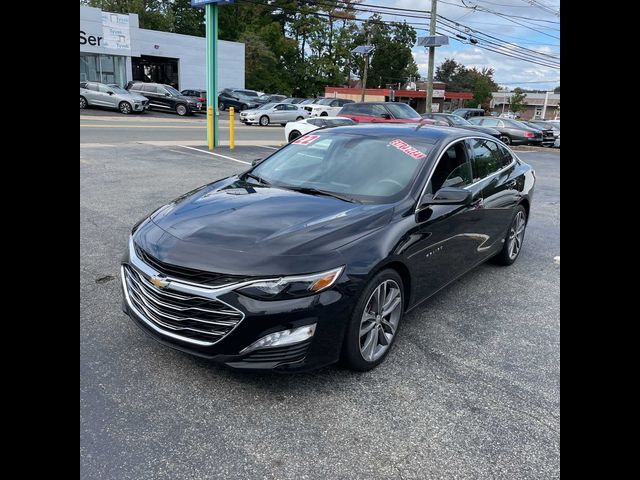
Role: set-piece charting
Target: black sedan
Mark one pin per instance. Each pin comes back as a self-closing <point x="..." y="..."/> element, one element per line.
<point x="512" y="132"/>
<point x="316" y="253"/>
<point x="228" y="98"/>
<point x="548" y="135"/>
<point x="459" y="122"/>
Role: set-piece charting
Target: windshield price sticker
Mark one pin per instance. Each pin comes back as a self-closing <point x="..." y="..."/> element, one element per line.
<point x="408" y="149"/>
<point x="306" y="140"/>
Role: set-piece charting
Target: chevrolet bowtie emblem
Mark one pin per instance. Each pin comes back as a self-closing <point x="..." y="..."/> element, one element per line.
<point x="159" y="282"/>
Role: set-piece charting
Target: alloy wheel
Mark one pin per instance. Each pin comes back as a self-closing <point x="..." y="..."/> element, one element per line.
<point x="125" y="108"/>
<point x="264" y="121"/>
<point x="380" y="320"/>
<point x="181" y="109"/>
<point x="504" y="139"/>
<point x="516" y="235"/>
<point x="83" y="102"/>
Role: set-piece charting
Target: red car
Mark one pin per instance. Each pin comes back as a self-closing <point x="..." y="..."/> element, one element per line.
<point x="383" y="112"/>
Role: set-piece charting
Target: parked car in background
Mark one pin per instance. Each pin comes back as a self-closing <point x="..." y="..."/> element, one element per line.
<point x="316" y="253"/>
<point x="512" y="132"/>
<point x="455" y="121"/>
<point x="166" y="98"/>
<point x="510" y="115"/>
<point x="294" y="130"/>
<point x="327" y="107"/>
<point x="552" y="124"/>
<point x="270" y="99"/>
<point x="245" y="92"/>
<point x="548" y="137"/>
<point x="94" y="94"/>
<point x="292" y="100"/>
<point x="273" y="113"/>
<point x="310" y="101"/>
<point x="382" y="112"/>
<point x="230" y="98"/>
<point x="468" y="113"/>
<point x="200" y="94"/>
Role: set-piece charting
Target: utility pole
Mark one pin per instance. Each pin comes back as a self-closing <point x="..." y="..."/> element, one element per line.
<point x="544" y="107"/>
<point x="432" y="54"/>
<point x="366" y="67"/>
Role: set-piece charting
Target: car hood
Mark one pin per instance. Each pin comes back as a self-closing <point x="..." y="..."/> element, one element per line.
<point x="253" y="111"/>
<point x="134" y="96"/>
<point x="233" y="226"/>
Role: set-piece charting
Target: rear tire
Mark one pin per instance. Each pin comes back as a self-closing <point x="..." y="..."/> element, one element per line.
<point x="513" y="239"/>
<point x="324" y="114"/>
<point x="505" y="139"/>
<point x="221" y="107"/>
<point x="264" y="121"/>
<point x="83" y="103"/>
<point x="367" y="326"/>
<point x="293" y="135"/>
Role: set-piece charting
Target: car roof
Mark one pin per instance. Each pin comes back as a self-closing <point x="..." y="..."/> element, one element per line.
<point x="430" y="133"/>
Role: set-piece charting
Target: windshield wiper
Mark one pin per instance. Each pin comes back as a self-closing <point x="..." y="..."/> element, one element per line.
<point x="315" y="191"/>
<point x="258" y="178"/>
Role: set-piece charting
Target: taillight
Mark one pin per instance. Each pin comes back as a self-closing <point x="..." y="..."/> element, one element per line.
<point x="200" y="99"/>
<point x="529" y="134"/>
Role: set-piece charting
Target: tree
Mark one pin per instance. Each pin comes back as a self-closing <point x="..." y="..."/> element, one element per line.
<point x="458" y="78"/>
<point x="152" y="14"/>
<point x="518" y="100"/>
<point x="557" y="89"/>
<point x="188" y="20"/>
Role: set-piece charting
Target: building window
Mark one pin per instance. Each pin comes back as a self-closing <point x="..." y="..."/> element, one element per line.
<point x="538" y="113"/>
<point x="102" y="68"/>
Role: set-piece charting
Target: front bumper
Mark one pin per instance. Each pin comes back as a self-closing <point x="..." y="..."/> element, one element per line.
<point x="329" y="310"/>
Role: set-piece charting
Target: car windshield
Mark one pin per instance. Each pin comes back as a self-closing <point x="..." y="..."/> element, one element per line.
<point x="117" y="89"/>
<point x="456" y="120"/>
<point x="325" y="101"/>
<point x="172" y="90"/>
<point x="404" y="111"/>
<point x="369" y="169"/>
<point x="266" y="106"/>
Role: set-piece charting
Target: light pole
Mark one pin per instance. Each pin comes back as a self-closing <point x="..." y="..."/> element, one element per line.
<point x="364" y="50"/>
<point x="432" y="54"/>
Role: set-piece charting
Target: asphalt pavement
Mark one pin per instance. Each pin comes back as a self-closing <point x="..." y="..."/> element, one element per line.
<point x="470" y="390"/>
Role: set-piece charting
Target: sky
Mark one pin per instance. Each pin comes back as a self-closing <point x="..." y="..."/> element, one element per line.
<point x="509" y="72"/>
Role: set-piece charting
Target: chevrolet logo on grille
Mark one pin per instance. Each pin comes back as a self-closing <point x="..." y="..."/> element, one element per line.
<point x="159" y="282"/>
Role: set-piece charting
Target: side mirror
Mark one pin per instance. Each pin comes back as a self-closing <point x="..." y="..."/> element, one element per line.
<point x="167" y="94"/>
<point x="256" y="161"/>
<point x="448" y="196"/>
<point x="110" y="92"/>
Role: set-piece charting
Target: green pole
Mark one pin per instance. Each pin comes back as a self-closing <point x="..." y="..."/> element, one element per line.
<point x="211" y="19"/>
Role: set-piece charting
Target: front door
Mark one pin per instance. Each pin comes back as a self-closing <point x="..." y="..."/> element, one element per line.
<point x="451" y="238"/>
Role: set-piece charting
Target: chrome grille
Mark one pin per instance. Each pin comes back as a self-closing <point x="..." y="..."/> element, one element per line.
<point x="204" y="320"/>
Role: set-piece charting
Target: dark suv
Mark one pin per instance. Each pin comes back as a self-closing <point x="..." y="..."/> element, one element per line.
<point x="384" y="112"/>
<point x="467" y="113"/>
<point x="237" y="99"/>
<point x="165" y="97"/>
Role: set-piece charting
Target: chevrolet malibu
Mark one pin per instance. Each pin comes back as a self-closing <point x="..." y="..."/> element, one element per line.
<point x="316" y="253"/>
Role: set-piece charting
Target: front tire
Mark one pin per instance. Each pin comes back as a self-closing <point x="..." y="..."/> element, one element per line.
<point x="125" y="107"/>
<point x="324" y="114"/>
<point x="374" y="323"/>
<point x="83" y="103"/>
<point x="264" y="120"/>
<point x="181" y="110"/>
<point x="293" y="135"/>
<point x="514" y="238"/>
<point x="221" y="107"/>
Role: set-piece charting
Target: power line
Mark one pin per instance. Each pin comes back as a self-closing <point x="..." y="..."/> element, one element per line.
<point x="482" y="9"/>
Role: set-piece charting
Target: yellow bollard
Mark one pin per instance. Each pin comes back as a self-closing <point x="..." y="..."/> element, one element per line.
<point x="230" y="128"/>
<point x="210" y="126"/>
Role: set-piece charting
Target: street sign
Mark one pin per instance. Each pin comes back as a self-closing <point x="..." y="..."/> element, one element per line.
<point x="201" y="3"/>
<point x="433" y="41"/>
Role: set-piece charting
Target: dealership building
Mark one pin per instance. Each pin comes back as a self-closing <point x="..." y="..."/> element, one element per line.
<point x="113" y="49"/>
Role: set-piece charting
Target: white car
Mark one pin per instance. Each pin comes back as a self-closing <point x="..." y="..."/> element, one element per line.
<point x="273" y="113"/>
<point x="294" y="130"/>
<point x="327" y="107"/>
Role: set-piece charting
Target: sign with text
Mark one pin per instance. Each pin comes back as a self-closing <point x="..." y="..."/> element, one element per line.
<point x="438" y="93"/>
<point x="115" y="31"/>
<point x="202" y="3"/>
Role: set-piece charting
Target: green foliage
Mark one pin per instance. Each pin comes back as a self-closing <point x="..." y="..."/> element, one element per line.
<point x="557" y="89"/>
<point x="459" y="78"/>
<point x="292" y="47"/>
<point x="518" y="100"/>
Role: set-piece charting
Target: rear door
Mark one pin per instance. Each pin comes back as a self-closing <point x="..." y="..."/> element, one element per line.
<point x="292" y="113"/>
<point x="495" y="176"/>
<point x="93" y="95"/>
<point x="110" y="99"/>
<point x="279" y="113"/>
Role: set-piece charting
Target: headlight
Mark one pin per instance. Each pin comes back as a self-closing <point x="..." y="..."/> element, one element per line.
<point x="297" y="286"/>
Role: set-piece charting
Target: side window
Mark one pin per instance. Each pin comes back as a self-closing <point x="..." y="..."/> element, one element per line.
<point x="315" y="121"/>
<point x="150" y="88"/>
<point x="92" y="86"/>
<point x="378" y="111"/>
<point x="505" y="156"/>
<point x="291" y="107"/>
<point x="490" y="122"/>
<point x="335" y="103"/>
<point x="486" y="160"/>
<point x="103" y="88"/>
<point x="281" y="107"/>
<point x="137" y="86"/>
<point x="453" y="169"/>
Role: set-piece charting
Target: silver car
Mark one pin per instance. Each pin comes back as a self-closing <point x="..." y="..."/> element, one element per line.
<point x="113" y="96"/>
<point x="274" y="113"/>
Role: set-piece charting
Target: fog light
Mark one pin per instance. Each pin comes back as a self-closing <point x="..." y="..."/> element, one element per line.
<point x="281" y="338"/>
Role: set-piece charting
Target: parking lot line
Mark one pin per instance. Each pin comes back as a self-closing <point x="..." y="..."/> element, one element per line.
<point x="216" y="154"/>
